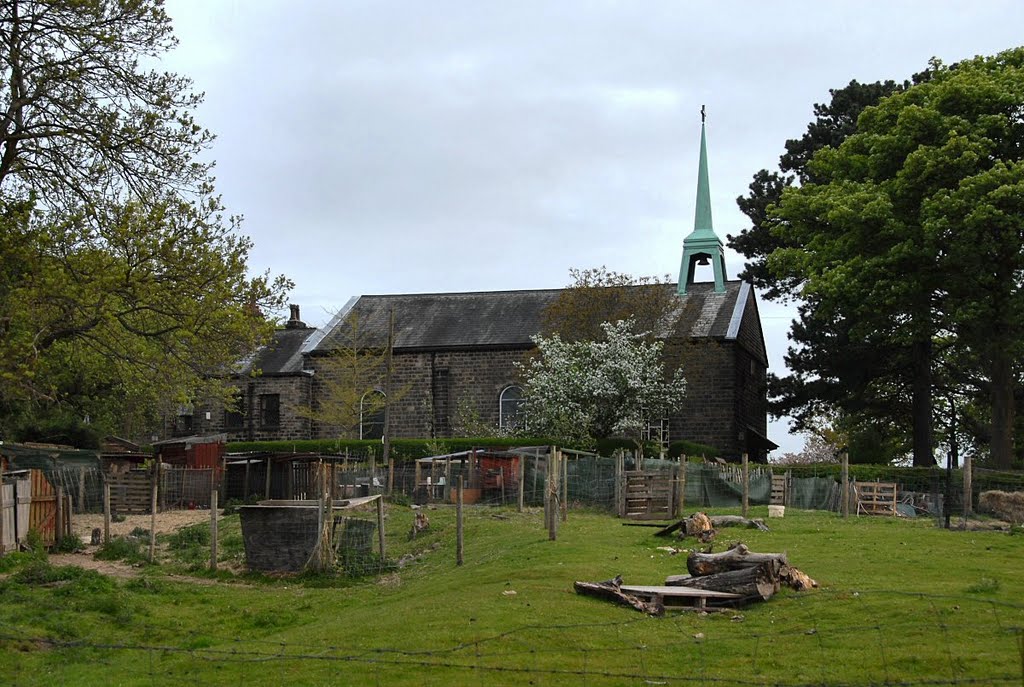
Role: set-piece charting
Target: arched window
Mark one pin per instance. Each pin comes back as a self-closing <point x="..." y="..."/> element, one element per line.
<point x="510" y="408"/>
<point x="371" y="415"/>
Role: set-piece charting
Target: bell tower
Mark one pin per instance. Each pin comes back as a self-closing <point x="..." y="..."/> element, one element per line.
<point x="702" y="246"/>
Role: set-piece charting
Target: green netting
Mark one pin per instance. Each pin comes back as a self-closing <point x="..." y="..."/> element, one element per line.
<point x="812" y="493"/>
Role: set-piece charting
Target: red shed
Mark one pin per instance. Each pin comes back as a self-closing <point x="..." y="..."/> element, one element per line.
<point x="192" y="452"/>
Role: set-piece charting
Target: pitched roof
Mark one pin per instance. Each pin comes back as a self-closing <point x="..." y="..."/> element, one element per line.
<point x="497" y="318"/>
<point x="282" y="356"/>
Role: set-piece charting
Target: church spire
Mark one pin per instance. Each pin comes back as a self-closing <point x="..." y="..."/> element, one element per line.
<point x="702" y="245"/>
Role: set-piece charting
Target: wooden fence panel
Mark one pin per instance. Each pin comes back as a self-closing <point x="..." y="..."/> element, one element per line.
<point x="7" y="513"/>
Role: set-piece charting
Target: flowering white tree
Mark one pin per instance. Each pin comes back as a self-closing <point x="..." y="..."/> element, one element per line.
<point x="581" y="391"/>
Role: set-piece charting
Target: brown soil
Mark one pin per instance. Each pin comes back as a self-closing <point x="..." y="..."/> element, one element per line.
<point x="168" y="521"/>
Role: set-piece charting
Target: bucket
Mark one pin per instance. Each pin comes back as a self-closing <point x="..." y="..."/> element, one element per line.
<point x="776" y="511"/>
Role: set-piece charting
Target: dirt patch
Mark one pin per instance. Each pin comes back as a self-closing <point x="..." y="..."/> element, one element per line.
<point x="166" y="522"/>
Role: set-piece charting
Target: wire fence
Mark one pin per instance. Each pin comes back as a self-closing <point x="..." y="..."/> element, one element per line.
<point x="683" y="649"/>
<point x="508" y="478"/>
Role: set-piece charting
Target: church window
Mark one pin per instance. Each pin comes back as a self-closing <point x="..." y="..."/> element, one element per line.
<point x="510" y="408"/>
<point x="371" y="415"/>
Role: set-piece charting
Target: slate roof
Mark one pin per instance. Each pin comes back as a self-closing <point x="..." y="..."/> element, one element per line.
<point x="282" y="356"/>
<point x="493" y="319"/>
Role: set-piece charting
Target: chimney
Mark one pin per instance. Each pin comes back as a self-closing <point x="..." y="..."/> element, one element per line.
<point x="294" y="322"/>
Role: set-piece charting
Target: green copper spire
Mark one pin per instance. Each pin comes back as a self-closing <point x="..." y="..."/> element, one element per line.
<point x="702" y="245"/>
<point x="702" y="224"/>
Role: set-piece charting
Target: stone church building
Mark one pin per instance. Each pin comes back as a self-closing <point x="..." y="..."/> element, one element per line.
<point x="455" y="355"/>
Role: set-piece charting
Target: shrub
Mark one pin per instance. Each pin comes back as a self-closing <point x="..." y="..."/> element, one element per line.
<point x="126" y="549"/>
<point x="190" y="537"/>
<point x="70" y="544"/>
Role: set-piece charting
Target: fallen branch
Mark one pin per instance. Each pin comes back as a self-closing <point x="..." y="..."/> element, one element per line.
<point x="609" y="591"/>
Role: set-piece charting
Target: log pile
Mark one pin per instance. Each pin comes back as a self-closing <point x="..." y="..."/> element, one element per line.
<point x="753" y="576"/>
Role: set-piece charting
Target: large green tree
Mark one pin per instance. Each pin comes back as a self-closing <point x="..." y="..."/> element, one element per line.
<point x="123" y="284"/>
<point x="906" y="234"/>
<point x="831" y="373"/>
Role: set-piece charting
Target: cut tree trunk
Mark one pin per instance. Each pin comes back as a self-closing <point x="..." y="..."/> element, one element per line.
<point x="796" y="579"/>
<point x="751" y="584"/>
<point x="697" y="525"/>
<point x="609" y="591"/>
<point x="736" y="558"/>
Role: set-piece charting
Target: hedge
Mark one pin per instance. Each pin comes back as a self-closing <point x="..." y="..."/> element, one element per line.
<point x="411" y="449"/>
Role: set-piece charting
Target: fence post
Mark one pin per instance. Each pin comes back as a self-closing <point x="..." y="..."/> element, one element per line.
<point x="373" y="468"/>
<point x="391" y="475"/>
<point x="552" y="496"/>
<point x="266" y="486"/>
<point x="521" y="478"/>
<point x="3" y="548"/>
<point x="154" y="489"/>
<point x="844" y="498"/>
<point x="458" y="524"/>
<point x="968" y="489"/>
<point x="245" y="481"/>
<point x="380" y="528"/>
<point x="682" y="485"/>
<point x="564" y="485"/>
<point x="58" y="526"/>
<point x="213" y="529"/>
<point x="106" y="511"/>
<point x="746" y="485"/>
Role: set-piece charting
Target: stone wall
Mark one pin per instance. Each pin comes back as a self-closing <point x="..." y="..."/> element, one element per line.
<point x="293" y="392"/>
<point x="435" y="393"/>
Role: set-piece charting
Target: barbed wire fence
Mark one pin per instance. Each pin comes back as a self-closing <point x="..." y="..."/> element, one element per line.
<point x="680" y="649"/>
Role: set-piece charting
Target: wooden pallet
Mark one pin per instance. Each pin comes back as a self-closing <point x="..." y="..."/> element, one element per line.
<point x="676" y="598"/>
<point x="778" y="497"/>
<point x="649" y="496"/>
<point x="876" y="498"/>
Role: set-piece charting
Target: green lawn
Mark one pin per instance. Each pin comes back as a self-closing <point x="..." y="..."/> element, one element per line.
<point x="901" y="602"/>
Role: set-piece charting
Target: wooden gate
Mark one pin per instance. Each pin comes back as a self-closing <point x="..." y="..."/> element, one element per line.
<point x="648" y="495"/>
<point x="42" y="516"/>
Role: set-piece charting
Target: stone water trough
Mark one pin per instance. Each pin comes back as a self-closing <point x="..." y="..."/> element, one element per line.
<point x="280" y="535"/>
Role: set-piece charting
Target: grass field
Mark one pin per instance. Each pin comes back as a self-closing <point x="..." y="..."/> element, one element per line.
<point x="901" y="602"/>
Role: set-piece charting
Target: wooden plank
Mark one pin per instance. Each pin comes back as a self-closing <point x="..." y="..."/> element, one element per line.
<point x="667" y="591"/>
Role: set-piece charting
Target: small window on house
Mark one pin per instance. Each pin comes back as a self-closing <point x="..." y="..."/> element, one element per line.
<point x="371" y="415"/>
<point x="183" y="425"/>
<point x="270" y="410"/>
<point x="510" y="408"/>
<point x="234" y="414"/>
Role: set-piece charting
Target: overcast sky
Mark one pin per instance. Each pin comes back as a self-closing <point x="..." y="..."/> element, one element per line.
<point x="464" y="145"/>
